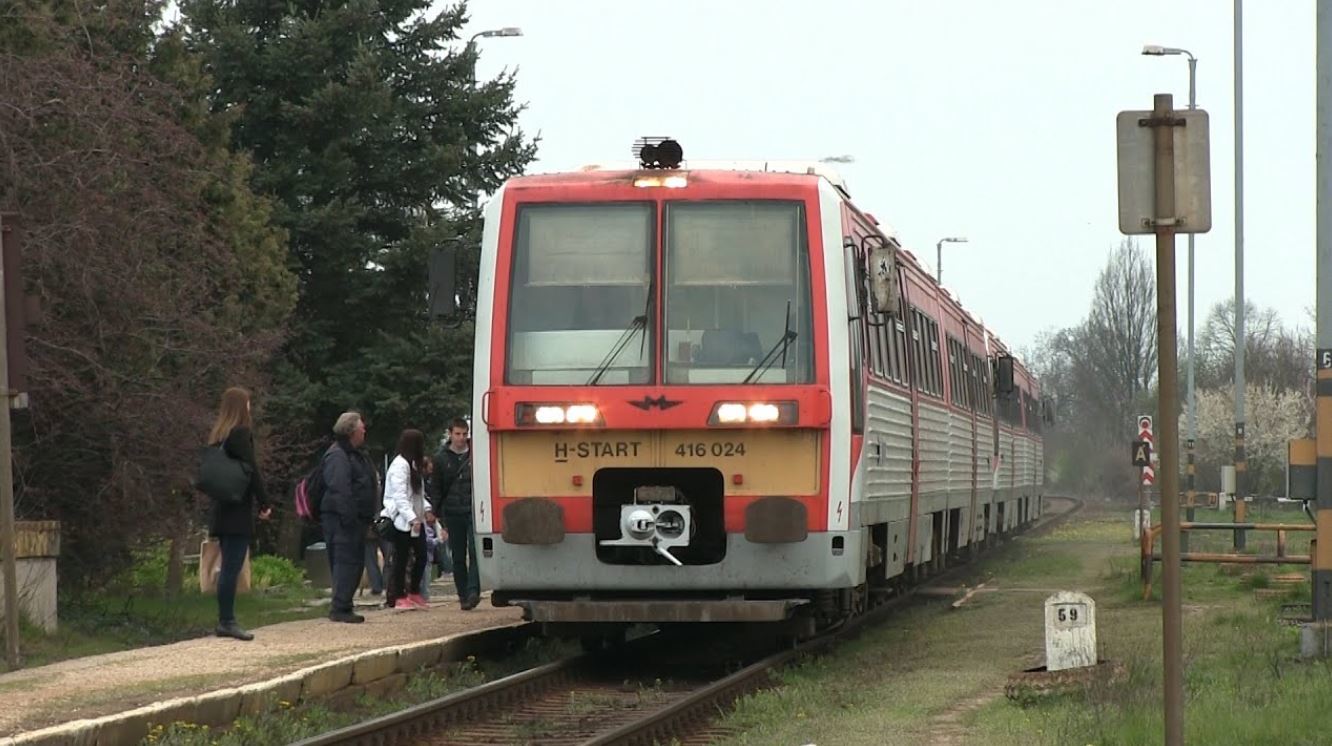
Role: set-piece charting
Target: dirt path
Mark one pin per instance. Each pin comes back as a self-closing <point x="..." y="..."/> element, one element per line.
<point x="949" y="727"/>
<point x="105" y="684"/>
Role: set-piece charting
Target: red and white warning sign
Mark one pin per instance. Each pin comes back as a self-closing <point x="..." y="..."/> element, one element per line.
<point x="1145" y="433"/>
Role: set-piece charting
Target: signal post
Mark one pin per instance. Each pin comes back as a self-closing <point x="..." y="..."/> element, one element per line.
<point x="1164" y="189"/>
<point x="1321" y="552"/>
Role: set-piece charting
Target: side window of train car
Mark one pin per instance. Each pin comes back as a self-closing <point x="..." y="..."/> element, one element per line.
<point x="1009" y="409"/>
<point x="973" y="387"/>
<point x="1032" y="414"/>
<point x="932" y="353"/>
<point x="987" y="390"/>
<point x="979" y="384"/>
<point x="897" y="332"/>
<point x="968" y="376"/>
<point x="874" y="329"/>
<point x="891" y="360"/>
<point x="917" y="350"/>
<point x="956" y="386"/>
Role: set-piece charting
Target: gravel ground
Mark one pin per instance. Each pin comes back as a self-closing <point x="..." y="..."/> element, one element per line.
<point x="105" y="684"/>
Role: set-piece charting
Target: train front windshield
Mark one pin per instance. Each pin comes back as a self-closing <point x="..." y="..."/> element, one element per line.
<point x="581" y="276"/>
<point x="737" y="294"/>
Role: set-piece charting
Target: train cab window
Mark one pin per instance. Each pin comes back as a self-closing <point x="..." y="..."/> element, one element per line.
<point x="737" y="285"/>
<point x="581" y="275"/>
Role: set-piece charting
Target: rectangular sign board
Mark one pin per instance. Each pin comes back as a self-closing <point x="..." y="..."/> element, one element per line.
<point x="1137" y="173"/>
<point x="1142" y="453"/>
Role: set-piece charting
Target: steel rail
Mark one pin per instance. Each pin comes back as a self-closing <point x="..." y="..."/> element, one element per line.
<point x="674" y="721"/>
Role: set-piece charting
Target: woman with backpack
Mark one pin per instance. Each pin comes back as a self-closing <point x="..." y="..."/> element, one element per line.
<point x="405" y="505"/>
<point x="232" y="521"/>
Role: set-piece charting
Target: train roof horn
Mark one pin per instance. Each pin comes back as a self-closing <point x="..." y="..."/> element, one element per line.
<point x="658" y="152"/>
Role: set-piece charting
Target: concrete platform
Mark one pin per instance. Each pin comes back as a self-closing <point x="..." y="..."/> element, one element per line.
<point x="116" y="698"/>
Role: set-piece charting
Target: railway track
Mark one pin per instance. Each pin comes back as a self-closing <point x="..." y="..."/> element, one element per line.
<point x="659" y="689"/>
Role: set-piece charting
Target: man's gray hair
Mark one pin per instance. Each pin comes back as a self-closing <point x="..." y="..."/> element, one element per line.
<point x="346" y="424"/>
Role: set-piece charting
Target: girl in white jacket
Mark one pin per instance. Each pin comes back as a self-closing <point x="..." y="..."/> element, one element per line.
<point x="405" y="502"/>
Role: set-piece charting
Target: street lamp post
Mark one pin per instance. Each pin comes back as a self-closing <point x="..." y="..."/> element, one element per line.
<point x="938" y="257"/>
<point x="491" y="34"/>
<point x="1153" y="50"/>
<point x="498" y="33"/>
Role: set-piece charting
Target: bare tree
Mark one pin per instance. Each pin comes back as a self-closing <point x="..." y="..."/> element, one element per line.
<point x="1275" y="356"/>
<point x="161" y="284"/>
<point x="1101" y="372"/>
<point x="1118" y="341"/>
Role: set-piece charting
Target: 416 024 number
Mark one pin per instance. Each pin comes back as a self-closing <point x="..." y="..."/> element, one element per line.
<point x="718" y="449"/>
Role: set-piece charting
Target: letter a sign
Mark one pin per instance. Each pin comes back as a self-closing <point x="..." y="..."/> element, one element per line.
<point x="1145" y="436"/>
<point x="1142" y="453"/>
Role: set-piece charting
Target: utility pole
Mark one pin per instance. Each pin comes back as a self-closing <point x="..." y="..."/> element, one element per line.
<point x="7" y="539"/>
<point x="1241" y="461"/>
<point x="1190" y="468"/>
<point x="1160" y="151"/>
<point x="1163" y="123"/>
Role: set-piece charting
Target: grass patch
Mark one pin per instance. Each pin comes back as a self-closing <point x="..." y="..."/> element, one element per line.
<point x="884" y="686"/>
<point x="1243" y="684"/>
<point x="286" y="723"/>
<point x="114" y="620"/>
<point x="934" y="674"/>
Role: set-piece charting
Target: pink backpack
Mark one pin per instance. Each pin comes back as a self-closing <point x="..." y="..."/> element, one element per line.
<point x="310" y="491"/>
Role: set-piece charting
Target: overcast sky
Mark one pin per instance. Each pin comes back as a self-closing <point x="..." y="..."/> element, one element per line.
<point x="993" y="121"/>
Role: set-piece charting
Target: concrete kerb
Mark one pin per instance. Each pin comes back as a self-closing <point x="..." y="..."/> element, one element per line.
<point x="223" y="706"/>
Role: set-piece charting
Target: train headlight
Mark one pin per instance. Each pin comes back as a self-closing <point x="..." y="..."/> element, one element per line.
<point x="731" y="412"/>
<point x="755" y="413"/>
<point x="549" y="415"/>
<point x="581" y="414"/>
<point x="764" y="412"/>
<point x="558" y="414"/>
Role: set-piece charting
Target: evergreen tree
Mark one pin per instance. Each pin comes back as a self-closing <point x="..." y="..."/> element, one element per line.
<point x="366" y="126"/>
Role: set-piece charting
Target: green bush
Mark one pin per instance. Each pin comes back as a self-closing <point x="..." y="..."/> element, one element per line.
<point x="269" y="571"/>
<point x="148" y="571"/>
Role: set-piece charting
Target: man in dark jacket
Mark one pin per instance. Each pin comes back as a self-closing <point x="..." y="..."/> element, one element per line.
<point x="348" y="506"/>
<point x="453" y="478"/>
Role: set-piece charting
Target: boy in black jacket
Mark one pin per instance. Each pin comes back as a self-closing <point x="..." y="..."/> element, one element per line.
<point x="453" y="483"/>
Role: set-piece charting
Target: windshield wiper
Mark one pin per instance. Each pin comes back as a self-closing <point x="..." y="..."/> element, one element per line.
<point x="638" y="323"/>
<point x="788" y="336"/>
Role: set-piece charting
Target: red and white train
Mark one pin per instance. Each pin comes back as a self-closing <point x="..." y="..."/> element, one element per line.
<point x="722" y="392"/>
